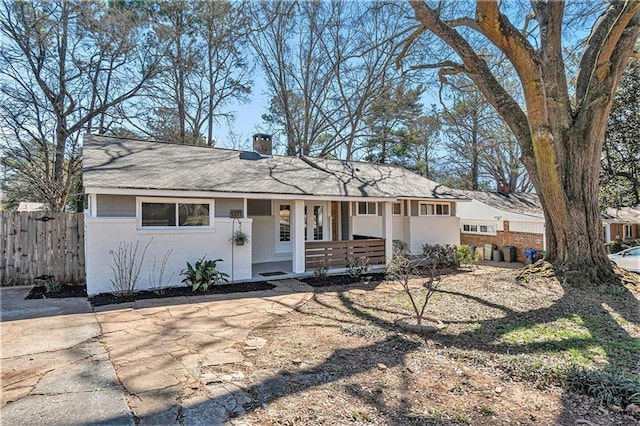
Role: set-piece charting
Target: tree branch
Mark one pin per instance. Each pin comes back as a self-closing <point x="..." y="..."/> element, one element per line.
<point x="602" y="43"/>
<point x="549" y="16"/>
<point x="464" y="21"/>
<point x="478" y="70"/>
<point x="443" y="64"/>
<point x="497" y="28"/>
<point x="408" y="42"/>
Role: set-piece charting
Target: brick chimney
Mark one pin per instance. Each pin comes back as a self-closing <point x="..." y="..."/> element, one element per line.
<point x="262" y="144"/>
<point x="503" y="189"/>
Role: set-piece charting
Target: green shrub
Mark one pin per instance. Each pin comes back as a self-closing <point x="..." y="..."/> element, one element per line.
<point x="240" y="237"/>
<point x="442" y="255"/>
<point x="203" y="274"/>
<point x="607" y="388"/>
<point x="464" y="255"/>
<point x="400" y="247"/>
<point x="52" y="286"/>
<point x="357" y="267"/>
<point x="618" y="246"/>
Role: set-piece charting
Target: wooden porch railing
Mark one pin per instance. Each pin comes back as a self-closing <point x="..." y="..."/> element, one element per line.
<point x="340" y="253"/>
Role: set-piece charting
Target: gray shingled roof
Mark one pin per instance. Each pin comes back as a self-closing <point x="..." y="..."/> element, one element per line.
<point x="623" y="214"/>
<point x="529" y="204"/>
<point x="112" y="162"/>
<point x="516" y="202"/>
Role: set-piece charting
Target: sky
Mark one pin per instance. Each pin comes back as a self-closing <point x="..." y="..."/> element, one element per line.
<point x="248" y="116"/>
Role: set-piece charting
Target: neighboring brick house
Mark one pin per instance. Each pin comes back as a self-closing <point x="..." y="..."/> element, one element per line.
<point x="502" y="219"/>
<point x="621" y="224"/>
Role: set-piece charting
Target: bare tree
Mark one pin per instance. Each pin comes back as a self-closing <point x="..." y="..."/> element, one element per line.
<point x="287" y="44"/>
<point x="560" y="129"/>
<point x="227" y="72"/>
<point x="325" y="64"/>
<point x="204" y="67"/>
<point x="501" y="160"/>
<point x="360" y="48"/>
<point x="421" y="144"/>
<point x="65" y="66"/>
<point x="482" y="150"/>
<point x="173" y="23"/>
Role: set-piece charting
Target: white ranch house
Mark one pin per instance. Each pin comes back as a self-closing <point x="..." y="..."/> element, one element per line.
<point x="295" y="210"/>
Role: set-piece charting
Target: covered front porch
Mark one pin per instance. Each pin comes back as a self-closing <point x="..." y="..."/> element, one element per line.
<point x="332" y="255"/>
<point x="297" y="236"/>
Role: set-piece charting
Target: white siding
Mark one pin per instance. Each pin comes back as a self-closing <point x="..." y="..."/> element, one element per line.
<point x="481" y="211"/>
<point x="498" y="225"/>
<point x="370" y="226"/>
<point x="531" y="227"/>
<point x="398" y="227"/>
<point x="264" y="241"/>
<point x="104" y="235"/>
<point x="225" y="205"/>
<point x="433" y="230"/>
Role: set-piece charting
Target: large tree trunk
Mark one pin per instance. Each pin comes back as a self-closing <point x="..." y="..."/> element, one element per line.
<point x="568" y="192"/>
<point x="561" y="143"/>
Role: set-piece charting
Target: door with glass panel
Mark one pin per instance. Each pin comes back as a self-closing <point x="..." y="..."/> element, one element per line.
<point x="283" y="231"/>
<point x="316" y="224"/>
<point x="316" y="221"/>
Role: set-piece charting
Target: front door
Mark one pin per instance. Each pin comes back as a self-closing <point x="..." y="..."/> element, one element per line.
<point x="335" y="215"/>
<point x="316" y="221"/>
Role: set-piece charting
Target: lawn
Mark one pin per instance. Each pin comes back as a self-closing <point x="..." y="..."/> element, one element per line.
<point x="508" y="351"/>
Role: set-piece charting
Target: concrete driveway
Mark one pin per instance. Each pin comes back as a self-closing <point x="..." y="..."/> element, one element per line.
<point x="145" y="363"/>
<point x="54" y="370"/>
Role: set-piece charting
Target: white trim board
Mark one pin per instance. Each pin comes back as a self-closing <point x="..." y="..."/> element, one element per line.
<point x="260" y="196"/>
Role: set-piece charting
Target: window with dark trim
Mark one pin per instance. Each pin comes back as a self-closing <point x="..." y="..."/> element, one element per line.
<point x="178" y="214"/>
<point x="434" y="209"/>
<point x="469" y="228"/>
<point x="366" y="208"/>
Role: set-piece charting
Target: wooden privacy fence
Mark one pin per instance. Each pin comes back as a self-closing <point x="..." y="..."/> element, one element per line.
<point x="38" y="244"/>
<point x="340" y="253"/>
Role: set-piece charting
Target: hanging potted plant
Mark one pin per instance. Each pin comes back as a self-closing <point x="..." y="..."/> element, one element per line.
<point x="240" y="238"/>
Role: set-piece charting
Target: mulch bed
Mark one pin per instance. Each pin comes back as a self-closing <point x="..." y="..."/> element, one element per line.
<point x="68" y="290"/>
<point x="336" y="280"/>
<point x="109" y="299"/>
<point x="75" y="290"/>
<point x="365" y="279"/>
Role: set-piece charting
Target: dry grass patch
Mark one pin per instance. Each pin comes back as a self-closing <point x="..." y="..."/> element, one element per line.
<point x="506" y="354"/>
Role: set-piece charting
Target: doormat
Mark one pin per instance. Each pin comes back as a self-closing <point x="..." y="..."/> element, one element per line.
<point x="271" y="274"/>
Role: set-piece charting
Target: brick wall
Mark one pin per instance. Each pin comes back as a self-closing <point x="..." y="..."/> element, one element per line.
<point x="521" y="240"/>
<point x="617" y="231"/>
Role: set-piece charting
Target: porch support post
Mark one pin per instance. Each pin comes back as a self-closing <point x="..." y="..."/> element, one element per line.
<point x="387" y="230"/>
<point x="297" y="237"/>
<point x="607" y="232"/>
<point x="93" y="205"/>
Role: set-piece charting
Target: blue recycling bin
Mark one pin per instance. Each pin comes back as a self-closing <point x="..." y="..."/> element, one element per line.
<point x="530" y="255"/>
